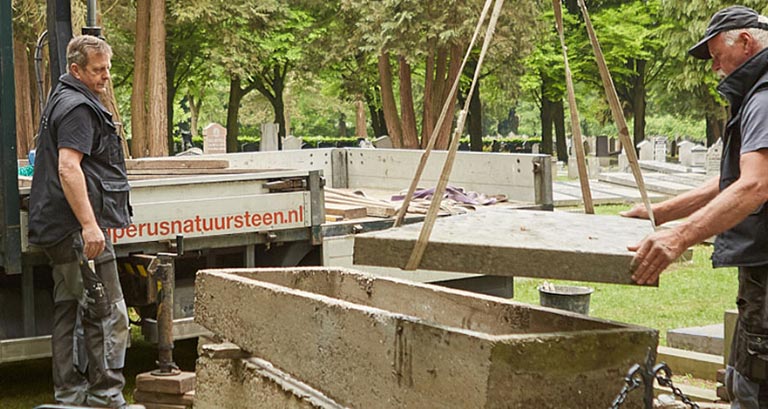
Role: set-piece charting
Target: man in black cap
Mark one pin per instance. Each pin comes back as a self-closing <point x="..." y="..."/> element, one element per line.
<point x="733" y="205"/>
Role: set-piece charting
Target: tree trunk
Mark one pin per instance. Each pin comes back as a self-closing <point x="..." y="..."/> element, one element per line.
<point x="378" y="123"/>
<point x="233" y="110"/>
<point x="715" y="128"/>
<point x="476" y="120"/>
<point x="279" y="106"/>
<point x="410" y="138"/>
<point x="278" y="86"/>
<point x="158" y="93"/>
<point x="453" y="73"/>
<point x="139" y="142"/>
<point x="558" y="116"/>
<point x="638" y="102"/>
<point x="22" y="85"/>
<point x="388" y="101"/>
<point x="573" y="7"/>
<point x="546" y="116"/>
<point x="170" y="77"/>
<point x="194" y="112"/>
<point x="427" y="126"/>
<point x="361" y="130"/>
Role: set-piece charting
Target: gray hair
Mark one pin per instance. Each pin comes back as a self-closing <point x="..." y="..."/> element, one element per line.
<point x="760" y="35"/>
<point x="80" y="47"/>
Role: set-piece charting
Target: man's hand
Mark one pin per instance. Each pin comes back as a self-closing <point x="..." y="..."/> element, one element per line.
<point x="654" y="254"/>
<point x="93" y="242"/>
<point x="638" y="212"/>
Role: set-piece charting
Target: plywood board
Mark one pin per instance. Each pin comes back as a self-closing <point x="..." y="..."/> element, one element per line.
<point x="507" y="242"/>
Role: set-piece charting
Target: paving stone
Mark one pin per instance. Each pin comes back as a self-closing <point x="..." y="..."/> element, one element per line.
<point x="372" y="342"/>
<point x="506" y="242"/>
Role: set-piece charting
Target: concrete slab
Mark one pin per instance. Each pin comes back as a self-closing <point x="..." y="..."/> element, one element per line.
<point x="370" y="342"/>
<point x="666" y="167"/>
<point x="706" y="339"/>
<point x="660" y="186"/>
<point x="505" y="242"/>
<point x="569" y="193"/>
<point x="696" y="364"/>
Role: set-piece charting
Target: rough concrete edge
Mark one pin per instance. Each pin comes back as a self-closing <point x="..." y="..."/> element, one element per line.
<point x="227" y="274"/>
<point x="251" y="275"/>
<point x="292" y="385"/>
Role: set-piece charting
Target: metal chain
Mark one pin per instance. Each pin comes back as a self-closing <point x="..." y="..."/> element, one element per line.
<point x="663" y="375"/>
<point x="664" y="378"/>
<point x="631" y="382"/>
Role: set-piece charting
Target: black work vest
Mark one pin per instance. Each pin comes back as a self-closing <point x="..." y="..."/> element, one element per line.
<point x="50" y="217"/>
<point x="746" y="244"/>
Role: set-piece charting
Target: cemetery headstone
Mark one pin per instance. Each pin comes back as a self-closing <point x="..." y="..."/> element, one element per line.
<point x="214" y="139"/>
<point x="684" y="152"/>
<point x="714" y="154"/>
<point x="269" y="137"/>
<point x="660" y="149"/>
<point x="698" y="156"/>
<point x="645" y="150"/>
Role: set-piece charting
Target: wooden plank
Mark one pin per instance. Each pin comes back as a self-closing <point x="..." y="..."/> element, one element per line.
<point x="345" y="210"/>
<point x="193" y="171"/>
<point x="507" y="242"/>
<point x="153" y="163"/>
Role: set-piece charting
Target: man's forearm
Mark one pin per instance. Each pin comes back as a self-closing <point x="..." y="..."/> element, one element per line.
<point x="687" y="203"/>
<point x="726" y="210"/>
<point x="76" y="193"/>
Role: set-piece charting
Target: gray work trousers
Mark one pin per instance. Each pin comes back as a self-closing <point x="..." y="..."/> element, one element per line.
<point x="747" y="371"/>
<point x="90" y="327"/>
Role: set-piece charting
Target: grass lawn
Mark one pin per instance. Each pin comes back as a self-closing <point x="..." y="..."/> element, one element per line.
<point x="689" y="294"/>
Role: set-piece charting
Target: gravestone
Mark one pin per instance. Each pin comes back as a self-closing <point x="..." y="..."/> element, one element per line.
<point x="698" y="156"/>
<point x="660" y="149"/>
<point x="714" y="154"/>
<point x="214" y="139"/>
<point x="645" y="150"/>
<point x="269" y="137"/>
<point x="292" y="143"/>
<point x="383" y="142"/>
<point x="623" y="162"/>
<point x="535" y="149"/>
<point x="684" y="152"/>
<point x="602" y="148"/>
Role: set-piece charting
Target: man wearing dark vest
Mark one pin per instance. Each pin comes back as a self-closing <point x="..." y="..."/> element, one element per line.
<point x="79" y="189"/>
<point x="732" y="207"/>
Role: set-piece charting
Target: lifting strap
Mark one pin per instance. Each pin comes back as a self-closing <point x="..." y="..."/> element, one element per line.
<point x="443" y="114"/>
<point x="429" y="221"/>
<point x="578" y="144"/>
<point x="618" y="114"/>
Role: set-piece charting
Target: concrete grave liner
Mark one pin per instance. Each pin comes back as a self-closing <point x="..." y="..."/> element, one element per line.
<point x="371" y="342"/>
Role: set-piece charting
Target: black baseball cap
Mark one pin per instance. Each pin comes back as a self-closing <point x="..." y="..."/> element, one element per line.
<point x="729" y="18"/>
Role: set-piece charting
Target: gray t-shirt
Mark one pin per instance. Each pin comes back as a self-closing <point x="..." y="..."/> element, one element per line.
<point x="754" y="123"/>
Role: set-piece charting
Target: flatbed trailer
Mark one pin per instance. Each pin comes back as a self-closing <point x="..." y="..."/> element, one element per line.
<point x="264" y="213"/>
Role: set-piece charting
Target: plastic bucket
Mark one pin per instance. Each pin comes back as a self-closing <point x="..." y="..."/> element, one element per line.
<point x="566" y="297"/>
